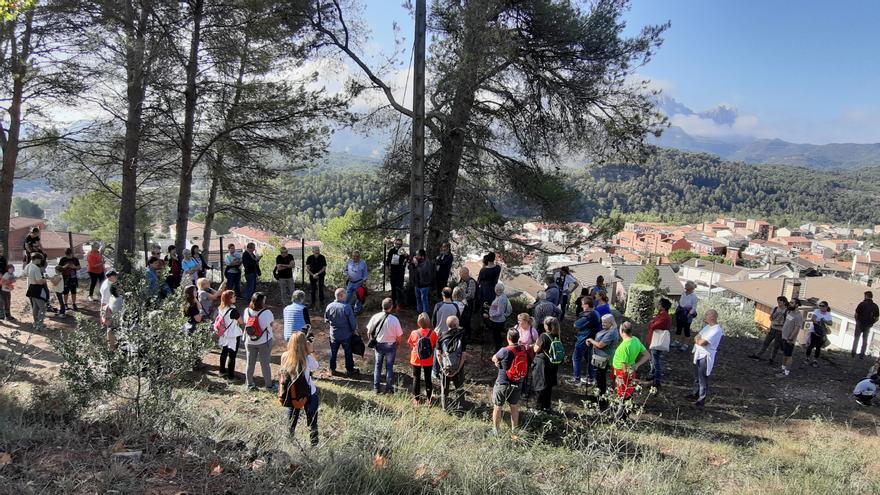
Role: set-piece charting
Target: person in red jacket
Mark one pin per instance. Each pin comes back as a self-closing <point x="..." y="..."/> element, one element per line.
<point x="661" y="321"/>
<point x="422" y="365"/>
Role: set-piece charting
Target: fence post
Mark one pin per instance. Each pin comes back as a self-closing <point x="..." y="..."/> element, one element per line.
<point x="384" y="257"/>
<point x="222" y="271"/>
<point x="302" y="266"/>
<point x="146" y="251"/>
<point x="70" y="239"/>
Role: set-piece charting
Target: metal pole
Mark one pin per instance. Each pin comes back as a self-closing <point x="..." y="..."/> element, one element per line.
<point x="146" y="251"/>
<point x="70" y="239"/>
<point x="384" y="257"/>
<point x="417" y="180"/>
<point x="222" y="271"/>
<point x="302" y="265"/>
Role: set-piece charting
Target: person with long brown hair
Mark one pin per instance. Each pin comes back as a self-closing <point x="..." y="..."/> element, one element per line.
<point x="299" y="360"/>
<point x="229" y="335"/>
<point x="259" y="321"/>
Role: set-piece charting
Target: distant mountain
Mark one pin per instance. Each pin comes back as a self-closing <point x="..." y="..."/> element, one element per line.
<point x="749" y="149"/>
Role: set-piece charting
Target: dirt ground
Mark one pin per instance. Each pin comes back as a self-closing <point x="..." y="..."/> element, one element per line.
<point x="740" y="388"/>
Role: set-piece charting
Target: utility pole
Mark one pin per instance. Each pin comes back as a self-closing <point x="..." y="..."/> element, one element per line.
<point x="417" y="180"/>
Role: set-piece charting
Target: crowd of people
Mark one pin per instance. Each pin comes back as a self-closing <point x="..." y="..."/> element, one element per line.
<point x="468" y="311"/>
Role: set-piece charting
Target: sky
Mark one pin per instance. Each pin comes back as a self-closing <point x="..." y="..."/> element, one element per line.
<point x="806" y="71"/>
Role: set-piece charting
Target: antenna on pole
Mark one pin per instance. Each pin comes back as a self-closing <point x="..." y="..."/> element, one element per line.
<point x="417" y="179"/>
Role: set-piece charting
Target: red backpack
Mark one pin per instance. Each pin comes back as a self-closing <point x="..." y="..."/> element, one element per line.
<point x="519" y="368"/>
<point x="253" y="328"/>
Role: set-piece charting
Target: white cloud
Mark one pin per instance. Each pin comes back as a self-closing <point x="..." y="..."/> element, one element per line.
<point x="695" y="125"/>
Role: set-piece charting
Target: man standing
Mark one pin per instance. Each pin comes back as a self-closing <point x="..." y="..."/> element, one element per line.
<point x="316" y="265"/>
<point x="385" y="328"/>
<point x="443" y="310"/>
<point x="468" y="287"/>
<point x="552" y="292"/>
<point x="70" y="273"/>
<point x="705" y="346"/>
<point x="543" y="309"/>
<point x="443" y="262"/>
<point x="568" y="284"/>
<point x="794" y="322"/>
<point x="356" y="274"/>
<point x="422" y="276"/>
<point x="156" y="287"/>
<point x="250" y="260"/>
<point x="774" y="335"/>
<point x="867" y="314"/>
<point x="506" y="389"/>
<point x="233" y="269"/>
<point x="343" y="324"/>
<point x="395" y="263"/>
<point x="284" y="265"/>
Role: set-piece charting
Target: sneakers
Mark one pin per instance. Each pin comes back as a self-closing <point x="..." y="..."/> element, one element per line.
<point x="575" y="381"/>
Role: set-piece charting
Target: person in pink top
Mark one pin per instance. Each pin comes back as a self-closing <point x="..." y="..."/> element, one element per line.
<point x="95" y="262"/>
<point x="527" y="333"/>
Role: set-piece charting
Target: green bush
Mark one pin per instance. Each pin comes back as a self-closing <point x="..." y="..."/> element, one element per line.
<point x="640" y="303"/>
<point x="737" y="319"/>
<point x="137" y="376"/>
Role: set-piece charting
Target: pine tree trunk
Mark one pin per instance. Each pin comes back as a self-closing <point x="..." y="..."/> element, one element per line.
<point x="190" y="101"/>
<point x="19" y="55"/>
<point x="135" y="92"/>
<point x="212" y="206"/>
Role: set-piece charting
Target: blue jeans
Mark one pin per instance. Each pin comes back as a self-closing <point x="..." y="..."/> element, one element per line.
<point x="657" y="364"/>
<point x="579" y="358"/>
<point x="422" y="299"/>
<point x="701" y="380"/>
<point x="233" y="282"/>
<point x="386" y="352"/>
<point x="346" y="347"/>
<point x="311" y="410"/>
<point x="250" y="285"/>
<point x="351" y="296"/>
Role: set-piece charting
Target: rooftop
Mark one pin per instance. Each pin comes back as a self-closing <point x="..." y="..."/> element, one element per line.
<point x="842" y="295"/>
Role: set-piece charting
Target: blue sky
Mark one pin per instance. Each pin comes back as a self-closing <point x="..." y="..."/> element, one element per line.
<point x="804" y="71"/>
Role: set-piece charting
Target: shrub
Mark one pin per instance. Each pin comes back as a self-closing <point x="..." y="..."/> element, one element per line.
<point x="737" y="319"/>
<point x="640" y="303"/>
<point x="150" y="354"/>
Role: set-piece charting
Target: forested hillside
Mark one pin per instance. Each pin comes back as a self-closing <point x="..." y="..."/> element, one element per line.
<point x="672" y="185"/>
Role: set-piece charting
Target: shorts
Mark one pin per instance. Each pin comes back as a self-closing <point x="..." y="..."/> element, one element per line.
<point x="787" y="348"/>
<point x="505" y="393"/>
<point x="70" y="285"/>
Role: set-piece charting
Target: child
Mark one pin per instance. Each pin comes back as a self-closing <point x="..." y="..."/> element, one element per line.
<point x="56" y="285"/>
<point x="866" y="390"/>
<point x="7" y="284"/>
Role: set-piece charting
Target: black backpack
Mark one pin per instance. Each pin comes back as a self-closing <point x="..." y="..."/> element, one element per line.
<point x="296" y="392"/>
<point x="424" y="349"/>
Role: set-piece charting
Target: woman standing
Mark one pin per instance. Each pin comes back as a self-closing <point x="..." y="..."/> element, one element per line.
<point x="816" y="338"/>
<point x="230" y="340"/>
<point x="661" y="322"/>
<point x="208" y="297"/>
<point x="259" y="340"/>
<point x="488" y="278"/>
<point x="190" y="267"/>
<point x="299" y="361"/>
<point x="203" y="263"/>
<point x="525" y="326"/>
<point x="37" y="291"/>
<point x="95" y="262"/>
<point x="603" y="348"/>
<point x="544" y="372"/>
<point x="191" y="309"/>
<point x="421" y="341"/>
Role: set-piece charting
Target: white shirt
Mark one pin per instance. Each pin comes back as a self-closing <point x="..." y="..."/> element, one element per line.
<point x="266" y="319"/>
<point x="311" y="365"/>
<point x="568" y="283"/>
<point x="105" y="292"/>
<point x="233" y="330"/>
<point x="689" y="301"/>
<point x="865" y="387"/>
<point x="390" y="330"/>
<point x="712" y="335"/>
